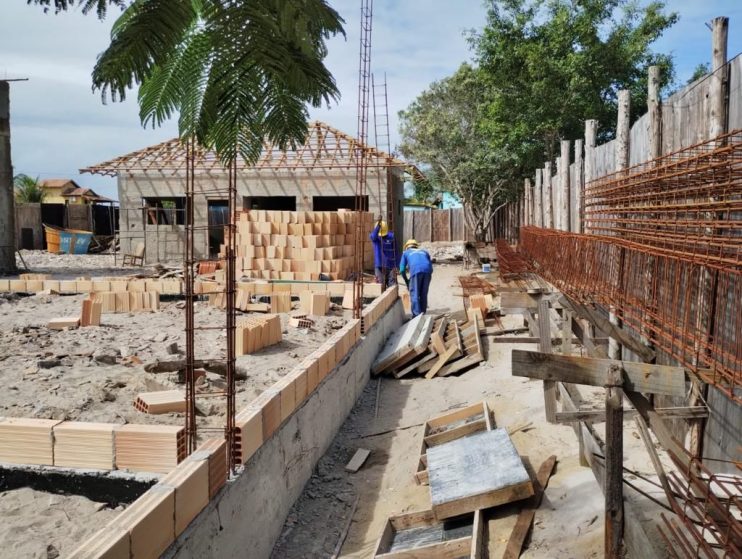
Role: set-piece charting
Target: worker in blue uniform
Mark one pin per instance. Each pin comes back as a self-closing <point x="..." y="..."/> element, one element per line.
<point x="385" y="253"/>
<point x="417" y="261"/>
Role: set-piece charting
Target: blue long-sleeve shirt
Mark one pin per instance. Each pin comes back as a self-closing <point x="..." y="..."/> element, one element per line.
<point x="384" y="249"/>
<point x="416" y="261"/>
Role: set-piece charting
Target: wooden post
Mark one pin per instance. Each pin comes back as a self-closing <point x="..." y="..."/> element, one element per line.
<point x="622" y="163"/>
<point x="578" y="186"/>
<point x="567" y="332"/>
<point x="717" y="93"/>
<point x="544" y="332"/>
<point x="450" y="225"/>
<point x="613" y="485"/>
<point x="547" y="203"/>
<point x="529" y="202"/>
<point x="430" y="215"/>
<point x="7" y="204"/>
<point x="538" y="214"/>
<point x="564" y="186"/>
<point x="655" y="113"/>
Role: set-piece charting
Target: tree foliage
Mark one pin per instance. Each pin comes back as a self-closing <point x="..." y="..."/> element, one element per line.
<point x="28" y="189"/>
<point x="235" y="73"/>
<point x="542" y="67"/>
<point x="100" y="6"/>
<point x="442" y="131"/>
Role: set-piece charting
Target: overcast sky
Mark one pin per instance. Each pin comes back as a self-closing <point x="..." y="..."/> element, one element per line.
<point x="59" y="125"/>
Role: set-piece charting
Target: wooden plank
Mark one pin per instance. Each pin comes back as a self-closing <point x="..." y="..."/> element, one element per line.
<point x="598" y="416"/>
<point x="477" y="537"/>
<point x="456" y="433"/>
<point x="512" y="303"/>
<point x="476" y="472"/>
<point x="399" y="344"/>
<point x="430" y="355"/>
<point x="357" y="460"/>
<point x="442" y="360"/>
<point x="544" y="328"/>
<point x="638" y="377"/>
<point x="613" y="489"/>
<point x="525" y="516"/>
<point x="438" y="336"/>
<point x="461" y="364"/>
<point x="451" y="549"/>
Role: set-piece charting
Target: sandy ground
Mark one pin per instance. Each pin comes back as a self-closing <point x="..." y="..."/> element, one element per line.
<point x="569" y="523"/>
<point x="83" y="374"/>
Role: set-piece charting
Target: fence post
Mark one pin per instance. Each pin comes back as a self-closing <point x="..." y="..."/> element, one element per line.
<point x="717" y="93"/>
<point x="576" y="226"/>
<point x="564" y="186"/>
<point x="655" y="113"/>
<point x="548" y="199"/>
<point x="529" y="202"/>
<point x="538" y="215"/>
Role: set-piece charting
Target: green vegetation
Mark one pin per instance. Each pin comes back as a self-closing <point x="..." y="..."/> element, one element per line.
<point x="27" y="189"/>
<point x="542" y="67"/>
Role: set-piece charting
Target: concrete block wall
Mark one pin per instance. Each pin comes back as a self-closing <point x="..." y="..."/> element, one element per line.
<point x="248" y="514"/>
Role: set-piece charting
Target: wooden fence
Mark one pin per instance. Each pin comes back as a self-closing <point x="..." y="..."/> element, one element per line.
<point x="436" y="225"/>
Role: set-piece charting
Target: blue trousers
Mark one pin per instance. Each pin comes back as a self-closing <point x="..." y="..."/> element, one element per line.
<point x="419" y="285"/>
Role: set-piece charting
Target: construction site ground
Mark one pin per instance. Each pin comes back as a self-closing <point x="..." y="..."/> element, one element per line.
<point x="95" y="373"/>
<point x="568" y="524"/>
<point x="83" y="374"/>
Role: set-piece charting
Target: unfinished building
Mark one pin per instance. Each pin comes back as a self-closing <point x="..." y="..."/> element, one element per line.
<point x="318" y="175"/>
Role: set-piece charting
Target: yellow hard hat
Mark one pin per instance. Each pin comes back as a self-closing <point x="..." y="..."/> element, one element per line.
<point x="411" y="243"/>
<point x="383" y="229"/>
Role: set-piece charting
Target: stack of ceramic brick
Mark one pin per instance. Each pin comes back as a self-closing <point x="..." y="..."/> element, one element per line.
<point x="314" y="303"/>
<point x="27" y="441"/>
<point x="257" y="332"/>
<point x="263" y="416"/>
<point x="87" y="285"/>
<point x="127" y="301"/>
<point x="378" y="307"/>
<point x="151" y="523"/>
<point x="298" y="245"/>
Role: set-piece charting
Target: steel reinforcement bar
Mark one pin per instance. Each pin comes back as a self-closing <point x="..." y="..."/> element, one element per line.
<point x="688" y="305"/>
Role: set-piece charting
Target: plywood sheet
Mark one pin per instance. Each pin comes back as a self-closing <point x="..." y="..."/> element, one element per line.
<point x="476" y="472"/>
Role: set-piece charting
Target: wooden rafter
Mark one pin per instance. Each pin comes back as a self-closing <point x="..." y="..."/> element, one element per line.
<point x="325" y="148"/>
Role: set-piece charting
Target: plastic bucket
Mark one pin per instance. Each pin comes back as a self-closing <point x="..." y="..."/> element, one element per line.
<point x="486" y="268"/>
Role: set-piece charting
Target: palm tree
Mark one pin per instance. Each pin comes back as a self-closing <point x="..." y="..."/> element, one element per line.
<point x="235" y="72"/>
<point x="27" y="189"/>
<point x="101" y="6"/>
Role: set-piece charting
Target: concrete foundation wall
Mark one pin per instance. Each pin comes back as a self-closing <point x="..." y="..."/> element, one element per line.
<point x="303" y="185"/>
<point x="246" y="518"/>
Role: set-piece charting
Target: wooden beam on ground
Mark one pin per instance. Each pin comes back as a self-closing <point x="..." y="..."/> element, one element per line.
<point x="544" y="328"/>
<point x="525" y="517"/>
<point x="638" y="377"/>
<point x="614" y="463"/>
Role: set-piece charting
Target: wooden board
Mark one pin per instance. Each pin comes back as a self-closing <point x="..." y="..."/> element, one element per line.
<point x="511" y="303"/>
<point x="63" y="322"/>
<point x="451" y="426"/>
<point x="451" y="353"/>
<point x="358" y="459"/>
<point x="638" y="377"/>
<point x="418" y="535"/>
<point x="416" y="364"/>
<point x="409" y="340"/>
<point x="480" y="471"/>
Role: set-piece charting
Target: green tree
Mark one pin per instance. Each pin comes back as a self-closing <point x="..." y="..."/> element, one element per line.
<point x="235" y="73"/>
<point x="700" y="71"/>
<point x="441" y="131"/>
<point x="27" y="189"/>
<point x="552" y="64"/>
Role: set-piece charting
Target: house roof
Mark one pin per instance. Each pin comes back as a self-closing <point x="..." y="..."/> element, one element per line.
<point x="325" y="148"/>
<point x="87" y="193"/>
<point x="58" y="183"/>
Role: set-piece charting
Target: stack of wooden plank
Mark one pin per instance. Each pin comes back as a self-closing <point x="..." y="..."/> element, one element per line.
<point x="442" y="348"/>
<point x="256" y="332"/>
<point x="84" y="445"/>
<point x="149" y="448"/>
<point x="298" y="245"/>
<point x="163" y="401"/>
<point x="27" y="441"/>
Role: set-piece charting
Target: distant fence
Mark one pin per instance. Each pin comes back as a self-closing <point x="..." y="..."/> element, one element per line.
<point x="441" y="226"/>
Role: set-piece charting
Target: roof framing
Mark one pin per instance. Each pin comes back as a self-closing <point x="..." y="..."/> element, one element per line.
<point x="325" y="148"/>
